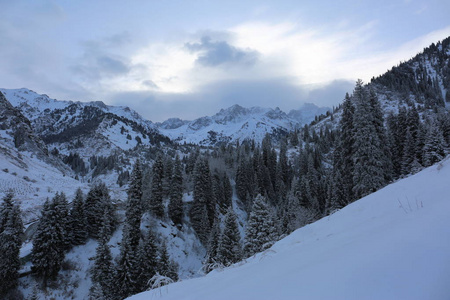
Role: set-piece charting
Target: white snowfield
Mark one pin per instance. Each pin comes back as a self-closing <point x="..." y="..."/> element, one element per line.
<point x="393" y="244"/>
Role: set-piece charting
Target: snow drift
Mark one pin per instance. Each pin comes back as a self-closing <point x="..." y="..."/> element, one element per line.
<point x="393" y="244"/>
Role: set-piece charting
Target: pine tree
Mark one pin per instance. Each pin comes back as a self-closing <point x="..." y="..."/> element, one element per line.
<point x="229" y="250"/>
<point x="202" y="212"/>
<point x="49" y="243"/>
<point x="96" y="203"/>
<point x="10" y="244"/>
<point x="62" y="210"/>
<point x="126" y="281"/>
<point x="103" y="269"/>
<point x="77" y="220"/>
<point x="176" y="194"/>
<point x="369" y="156"/>
<point x="211" y="260"/>
<point x="148" y="260"/>
<point x="261" y="229"/>
<point x="133" y="210"/>
<point x="167" y="267"/>
<point x="434" y="148"/>
<point x="156" y="200"/>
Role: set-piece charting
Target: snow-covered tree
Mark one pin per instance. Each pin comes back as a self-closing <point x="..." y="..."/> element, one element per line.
<point x="229" y="250"/>
<point x="103" y="269"/>
<point x="261" y="230"/>
<point x="176" y="194"/>
<point x="10" y="244"/>
<point x="77" y="220"/>
<point x="97" y="202"/>
<point x="166" y="267"/>
<point x="49" y="243"/>
<point x="156" y="199"/>
<point x="369" y="156"/>
<point x="126" y="281"/>
<point x="148" y="260"/>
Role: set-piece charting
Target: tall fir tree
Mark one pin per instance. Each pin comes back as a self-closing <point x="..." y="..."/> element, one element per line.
<point x="202" y="213"/>
<point x="97" y="202"/>
<point x="103" y="269"/>
<point x="156" y="199"/>
<point x="148" y="260"/>
<point x="166" y="267"/>
<point x="10" y="244"/>
<point x="261" y="230"/>
<point x="229" y="250"/>
<point x="369" y="156"/>
<point x="176" y="194"/>
<point x="211" y="260"/>
<point x="49" y="243"/>
<point x="126" y="281"/>
<point x="77" y="220"/>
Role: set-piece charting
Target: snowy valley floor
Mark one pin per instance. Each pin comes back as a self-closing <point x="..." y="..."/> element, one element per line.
<point x="393" y="244"/>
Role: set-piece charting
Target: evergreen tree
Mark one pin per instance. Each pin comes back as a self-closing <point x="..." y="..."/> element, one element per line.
<point x="103" y="269"/>
<point x="97" y="202"/>
<point x="62" y="210"/>
<point x="167" y="267"/>
<point x="133" y="210"/>
<point x="10" y="244"/>
<point x="126" y="281"/>
<point x="156" y="200"/>
<point x="261" y="229"/>
<point x="148" y="260"/>
<point x="343" y="165"/>
<point x="176" y="194"/>
<point x="213" y="245"/>
<point x="49" y="243"/>
<point x="229" y="250"/>
<point x="434" y="148"/>
<point x="202" y="212"/>
<point x="77" y="220"/>
<point x="369" y="156"/>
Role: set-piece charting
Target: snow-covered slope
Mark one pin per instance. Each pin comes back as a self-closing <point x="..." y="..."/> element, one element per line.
<point x="393" y="244"/>
<point x="238" y="123"/>
<point x="92" y="128"/>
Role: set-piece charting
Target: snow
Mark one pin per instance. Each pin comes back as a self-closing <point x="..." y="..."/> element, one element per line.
<point x="392" y="244"/>
<point x="238" y="123"/>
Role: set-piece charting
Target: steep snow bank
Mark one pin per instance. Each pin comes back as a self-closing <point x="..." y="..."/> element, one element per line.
<point x="393" y="244"/>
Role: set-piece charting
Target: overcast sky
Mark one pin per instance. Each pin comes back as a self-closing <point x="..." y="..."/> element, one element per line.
<point x="190" y="58"/>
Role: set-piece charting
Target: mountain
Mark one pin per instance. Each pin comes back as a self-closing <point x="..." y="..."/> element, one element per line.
<point x="392" y="244"/>
<point x="239" y="123"/>
<point x="28" y="169"/>
<point x="92" y="128"/>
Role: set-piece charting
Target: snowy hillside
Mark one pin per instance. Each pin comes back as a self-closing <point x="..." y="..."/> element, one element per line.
<point x="392" y="244"/>
<point x="92" y="128"/>
<point x="239" y="123"/>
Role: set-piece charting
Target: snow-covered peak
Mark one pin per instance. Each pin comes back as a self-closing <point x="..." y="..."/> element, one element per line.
<point x="236" y="123"/>
<point x="33" y="105"/>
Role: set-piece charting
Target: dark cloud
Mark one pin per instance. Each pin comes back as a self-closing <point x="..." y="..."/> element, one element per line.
<point x="150" y="84"/>
<point x="213" y="53"/>
<point x="98" y="61"/>
<point x="281" y="92"/>
<point x="112" y="66"/>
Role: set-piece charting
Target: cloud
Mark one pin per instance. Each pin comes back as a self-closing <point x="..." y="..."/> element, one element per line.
<point x="100" y="60"/>
<point x="212" y="54"/>
<point x="150" y="84"/>
<point x="210" y="98"/>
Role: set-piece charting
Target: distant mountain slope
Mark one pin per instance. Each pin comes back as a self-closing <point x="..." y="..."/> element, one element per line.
<point x="392" y="244"/>
<point x="239" y="123"/>
<point x="90" y="128"/>
<point x="27" y="168"/>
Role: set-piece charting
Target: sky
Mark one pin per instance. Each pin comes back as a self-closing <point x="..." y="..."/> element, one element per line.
<point x="188" y="59"/>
